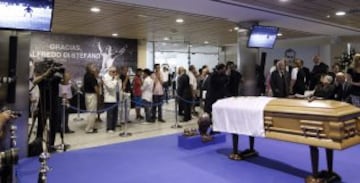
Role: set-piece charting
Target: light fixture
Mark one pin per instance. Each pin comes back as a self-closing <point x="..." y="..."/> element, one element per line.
<point x="179" y="20"/>
<point x="236" y="28"/>
<point x="279" y="34"/>
<point x="95" y="9"/>
<point x="328" y="16"/>
<point x="166" y="39"/>
<point x="114" y="34"/>
<point x="340" y="13"/>
<point x="230" y="30"/>
<point x="142" y="16"/>
<point x="206" y="42"/>
<point x="242" y="30"/>
<point x="283" y="1"/>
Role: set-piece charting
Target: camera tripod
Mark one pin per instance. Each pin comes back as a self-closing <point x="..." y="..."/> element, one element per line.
<point x="62" y="146"/>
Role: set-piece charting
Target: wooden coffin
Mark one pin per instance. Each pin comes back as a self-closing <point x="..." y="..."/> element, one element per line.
<point x="322" y="123"/>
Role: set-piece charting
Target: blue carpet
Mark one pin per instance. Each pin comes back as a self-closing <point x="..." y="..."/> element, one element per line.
<point x="159" y="160"/>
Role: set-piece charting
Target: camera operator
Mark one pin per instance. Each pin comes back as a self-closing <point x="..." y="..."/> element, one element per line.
<point x="47" y="76"/>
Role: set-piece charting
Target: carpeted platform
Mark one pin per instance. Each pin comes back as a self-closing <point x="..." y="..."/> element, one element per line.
<point x="159" y="160"/>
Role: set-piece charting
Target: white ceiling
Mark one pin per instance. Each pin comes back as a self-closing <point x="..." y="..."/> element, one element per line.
<point x="239" y="12"/>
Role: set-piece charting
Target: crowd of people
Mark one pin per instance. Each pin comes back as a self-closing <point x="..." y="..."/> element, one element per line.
<point x="149" y="90"/>
<point x="194" y="88"/>
<point x="340" y="84"/>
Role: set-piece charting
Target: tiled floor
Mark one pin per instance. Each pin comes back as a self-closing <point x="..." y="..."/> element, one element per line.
<point x="138" y="129"/>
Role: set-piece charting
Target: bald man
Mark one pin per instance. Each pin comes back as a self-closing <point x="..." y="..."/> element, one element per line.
<point x="318" y="70"/>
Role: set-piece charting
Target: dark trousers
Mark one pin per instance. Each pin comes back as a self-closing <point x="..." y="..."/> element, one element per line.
<point x="186" y="107"/>
<point x="54" y="120"/>
<point x="147" y="108"/>
<point x="61" y="109"/>
<point x="166" y="91"/>
<point x="157" y="104"/>
<point x="111" y="116"/>
<point x="181" y="107"/>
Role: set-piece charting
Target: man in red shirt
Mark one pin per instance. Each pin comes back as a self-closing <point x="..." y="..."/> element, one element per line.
<point x="137" y="82"/>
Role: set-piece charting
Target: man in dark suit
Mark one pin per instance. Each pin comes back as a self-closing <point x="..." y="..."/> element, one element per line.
<point x="217" y="87"/>
<point x="342" y="89"/>
<point x="307" y="74"/>
<point x="318" y="70"/>
<point x="184" y="92"/>
<point x="280" y="80"/>
<point x="234" y="79"/>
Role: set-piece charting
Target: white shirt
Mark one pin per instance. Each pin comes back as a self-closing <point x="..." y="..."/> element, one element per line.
<point x="192" y="80"/>
<point x="147" y="89"/>
<point x="294" y="73"/>
<point x="111" y="86"/>
<point x="165" y="76"/>
<point x="272" y="69"/>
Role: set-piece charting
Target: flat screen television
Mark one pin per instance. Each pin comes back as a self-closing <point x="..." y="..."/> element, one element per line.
<point x="34" y="15"/>
<point x="262" y="36"/>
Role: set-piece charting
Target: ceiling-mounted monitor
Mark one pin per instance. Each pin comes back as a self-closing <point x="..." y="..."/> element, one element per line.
<point x="34" y="15"/>
<point x="262" y="36"/>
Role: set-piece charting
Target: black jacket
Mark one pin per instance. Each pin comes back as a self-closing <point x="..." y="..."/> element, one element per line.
<point x="342" y="92"/>
<point x="183" y="87"/>
<point x="280" y="84"/>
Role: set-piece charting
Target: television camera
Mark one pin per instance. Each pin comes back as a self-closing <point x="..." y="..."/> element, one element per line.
<point x="52" y="69"/>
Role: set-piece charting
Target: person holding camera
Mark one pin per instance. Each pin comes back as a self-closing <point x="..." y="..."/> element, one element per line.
<point x="47" y="75"/>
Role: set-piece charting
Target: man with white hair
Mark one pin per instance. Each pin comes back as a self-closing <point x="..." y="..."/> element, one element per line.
<point x="280" y="80"/>
<point x="324" y="90"/>
<point x="342" y="88"/>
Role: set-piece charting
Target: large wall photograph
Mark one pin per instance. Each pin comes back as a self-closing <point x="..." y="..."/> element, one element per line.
<point x="74" y="52"/>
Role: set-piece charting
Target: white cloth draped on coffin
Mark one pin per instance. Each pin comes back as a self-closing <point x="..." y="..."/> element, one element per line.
<point x="240" y="115"/>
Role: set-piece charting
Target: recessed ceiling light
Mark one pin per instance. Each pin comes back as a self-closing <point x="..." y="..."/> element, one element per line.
<point x="179" y="20"/>
<point x="164" y="44"/>
<point x="142" y="16"/>
<point x="279" y="34"/>
<point x="283" y="1"/>
<point x="230" y="30"/>
<point x="340" y="13"/>
<point x="206" y="42"/>
<point x="166" y="38"/>
<point x="236" y="28"/>
<point x="328" y="16"/>
<point x="242" y="30"/>
<point x="115" y="34"/>
<point x="95" y="9"/>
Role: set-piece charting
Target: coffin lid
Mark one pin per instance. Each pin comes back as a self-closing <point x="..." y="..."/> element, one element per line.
<point x="318" y="107"/>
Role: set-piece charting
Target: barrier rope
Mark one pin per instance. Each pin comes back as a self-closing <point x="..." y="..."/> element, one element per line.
<point x="142" y="104"/>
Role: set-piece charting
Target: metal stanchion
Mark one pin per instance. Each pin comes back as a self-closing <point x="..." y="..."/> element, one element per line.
<point x="63" y="146"/>
<point x="44" y="168"/>
<point x="176" y="125"/>
<point x="125" y="133"/>
<point x="78" y="118"/>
